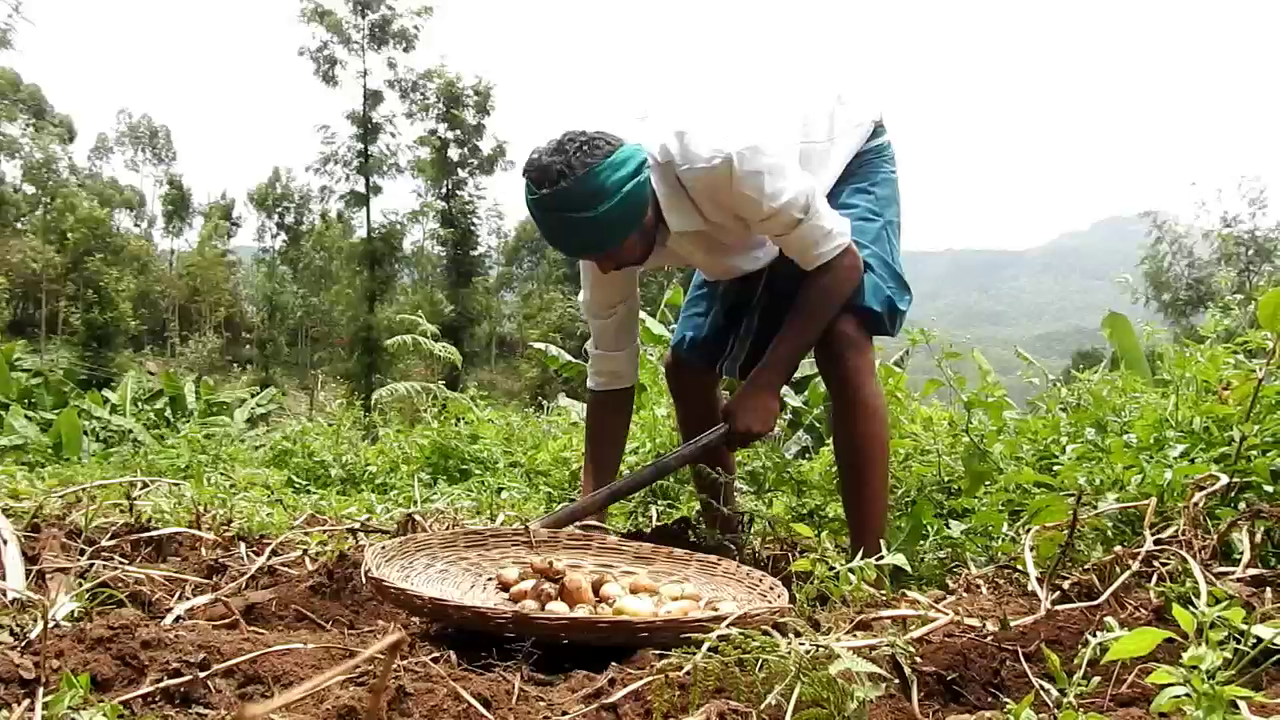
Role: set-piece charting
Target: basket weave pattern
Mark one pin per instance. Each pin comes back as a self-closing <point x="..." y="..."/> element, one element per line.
<point x="449" y="577"/>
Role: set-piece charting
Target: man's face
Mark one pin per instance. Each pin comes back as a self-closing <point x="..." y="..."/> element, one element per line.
<point x="633" y="251"/>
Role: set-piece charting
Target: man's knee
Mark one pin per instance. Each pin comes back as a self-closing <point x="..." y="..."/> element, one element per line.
<point x="685" y="375"/>
<point x="846" y="347"/>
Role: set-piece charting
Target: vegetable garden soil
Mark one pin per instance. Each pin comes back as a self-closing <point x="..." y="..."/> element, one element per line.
<point x="127" y="648"/>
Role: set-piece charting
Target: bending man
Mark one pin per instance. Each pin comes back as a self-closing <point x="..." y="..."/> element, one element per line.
<point x="796" y="250"/>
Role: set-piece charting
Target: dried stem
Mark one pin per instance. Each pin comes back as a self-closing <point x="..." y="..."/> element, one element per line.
<point x="308" y="687"/>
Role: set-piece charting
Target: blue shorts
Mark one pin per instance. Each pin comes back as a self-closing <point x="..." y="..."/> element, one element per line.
<point x="729" y="324"/>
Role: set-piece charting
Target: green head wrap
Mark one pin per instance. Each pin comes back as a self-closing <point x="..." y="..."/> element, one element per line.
<point x="597" y="210"/>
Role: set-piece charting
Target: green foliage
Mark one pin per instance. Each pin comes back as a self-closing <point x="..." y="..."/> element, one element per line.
<point x="1230" y="253"/>
<point x="1222" y="650"/>
<point x="1123" y="339"/>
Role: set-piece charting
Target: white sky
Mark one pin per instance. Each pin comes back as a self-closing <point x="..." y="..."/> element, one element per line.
<point x="1013" y="121"/>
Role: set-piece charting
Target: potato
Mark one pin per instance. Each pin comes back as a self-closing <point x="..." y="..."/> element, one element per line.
<point x="698" y="613"/>
<point x="539" y="565"/>
<point x="548" y="568"/>
<point x="556" y="607"/>
<point x="584" y="610"/>
<point x="642" y="584"/>
<point x="601" y="579"/>
<point x="670" y="591"/>
<point x="575" y="590"/>
<point x="678" y="608"/>
<point x="634" y="606"/>
<point x="508" y="577"/>
<point x="723" y="606"/>
<point x="603" y="609"/>
<point x="544" y="592"/>
<point x="689" y="591"/>
<point x="529" y="606"/>
<point x="611" y="592"/>
<point x="521" y="590"/>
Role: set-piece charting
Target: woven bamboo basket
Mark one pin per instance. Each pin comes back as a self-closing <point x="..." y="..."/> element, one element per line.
<point x="449" y="578"/>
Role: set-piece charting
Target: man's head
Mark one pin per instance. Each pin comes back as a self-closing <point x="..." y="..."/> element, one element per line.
<point x="589" y="194"/>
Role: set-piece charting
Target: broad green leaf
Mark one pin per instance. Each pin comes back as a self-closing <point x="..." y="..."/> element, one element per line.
<point x="71" y="432"/>
<point x="1166" y="698"/>
<point x="802" y="565"/>
<point x="930" y="387"/>
<point x="1269" y="311"/>
<point x="1162" y="676"/>
<point x="653" y="332"/>
<point x="1124" y="340"/>
<point x="803" y="530"/>
<point x="1268" y="631"/>
<point x="1235" y="691"/>
<point x="1055" y="666"/>
<point x="16" y="421"/>
<point x="6" y="381"/>
<point x="1234" y="615"/>
<point x="977" y="472"/>
<point x="559" y="360"/>
<point x="1048" y="509"/>
<point x="1185" y="619"/>
<point x="1136" y="643"/>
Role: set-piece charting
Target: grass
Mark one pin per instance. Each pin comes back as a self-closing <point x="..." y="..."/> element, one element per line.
<point x="978" y="482"/>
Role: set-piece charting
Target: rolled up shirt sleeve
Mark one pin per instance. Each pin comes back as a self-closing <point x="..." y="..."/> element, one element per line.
<point x="781" y="201"/>
<point x="611" y="306"/>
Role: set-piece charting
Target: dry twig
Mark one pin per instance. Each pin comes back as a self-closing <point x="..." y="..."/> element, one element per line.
<point x="315" y="684"/>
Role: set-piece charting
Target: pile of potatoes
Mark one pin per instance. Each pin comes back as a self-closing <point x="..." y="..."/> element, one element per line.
<point x="545" y="585"/>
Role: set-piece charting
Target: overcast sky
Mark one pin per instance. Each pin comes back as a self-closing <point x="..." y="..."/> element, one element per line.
<point x="1013" y="121"/>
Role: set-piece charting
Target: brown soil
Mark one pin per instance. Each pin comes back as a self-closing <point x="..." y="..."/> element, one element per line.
<point x="126" y="648"/>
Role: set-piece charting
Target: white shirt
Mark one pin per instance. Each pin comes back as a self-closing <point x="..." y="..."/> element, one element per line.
<point x="730" y="207"/>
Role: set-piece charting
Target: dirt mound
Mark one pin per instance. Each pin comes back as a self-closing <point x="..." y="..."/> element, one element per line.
<point x="294" y="620"/>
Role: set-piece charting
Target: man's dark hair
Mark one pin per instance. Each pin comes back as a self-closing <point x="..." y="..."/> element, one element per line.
<point x="568" y="156"/>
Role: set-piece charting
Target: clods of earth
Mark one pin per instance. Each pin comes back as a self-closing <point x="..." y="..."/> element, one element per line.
<point x="303" y="617"/>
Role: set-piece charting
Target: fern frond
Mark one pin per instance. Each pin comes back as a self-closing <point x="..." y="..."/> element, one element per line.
<point x="408" y="389"/>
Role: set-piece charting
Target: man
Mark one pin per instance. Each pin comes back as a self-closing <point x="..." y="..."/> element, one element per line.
<point x="796" y="250"/>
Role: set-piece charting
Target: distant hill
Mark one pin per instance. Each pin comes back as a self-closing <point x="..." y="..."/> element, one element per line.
<point x="1048" y="300"/>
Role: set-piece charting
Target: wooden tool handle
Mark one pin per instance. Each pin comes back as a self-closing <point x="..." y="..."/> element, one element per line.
<point x="589" y="505"/>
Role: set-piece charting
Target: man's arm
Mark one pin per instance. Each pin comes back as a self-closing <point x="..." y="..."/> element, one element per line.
<point x="781" y="201"/>
<point x="821" y="296"/>
<point x="608" y="423"/>
<point x="611" y="307"/>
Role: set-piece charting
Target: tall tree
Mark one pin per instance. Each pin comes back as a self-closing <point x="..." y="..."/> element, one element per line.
<point x="177" y="214"/>
<point x="145" y="147"/>
<point x="365" y="44"/>
<point x="208" y="271"/>
<point x="1228" y="254"/>
<point x="287" y="211"/>
<point x="456" y="155"/>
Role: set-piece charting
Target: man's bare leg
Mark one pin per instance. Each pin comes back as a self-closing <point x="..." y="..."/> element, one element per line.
<point x="859" y="429"/>
<point x="695" y="391"/>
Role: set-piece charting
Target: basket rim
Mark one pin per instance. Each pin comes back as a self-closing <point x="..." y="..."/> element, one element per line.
<point x="373" y="553"/>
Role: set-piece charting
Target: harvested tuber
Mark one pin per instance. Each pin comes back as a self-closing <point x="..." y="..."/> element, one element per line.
<point x="611" y="593"/>
<point x="603" y="609"/>
<point x="544" y="592"/>
<point x="600" y="580"/>
<point x="671" y="591"/>
<point x="556" y="607"/>
<point x="678" y="608"/>
<point x="529" y="606"/>
<point x="575" y="590"/>
<point x="641" y="584"/>
<point x="724" y="606"/>
<point x="634" y="606"/>
<point x="584" y="610"/>
<point x="548" y="568"/>
<point x="521" y="590"/>
<point x="508" y="577"/>
<point x="689" y="591"/>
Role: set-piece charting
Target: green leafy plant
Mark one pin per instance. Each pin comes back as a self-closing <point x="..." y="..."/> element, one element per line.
<point x="1219" y="648"/>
